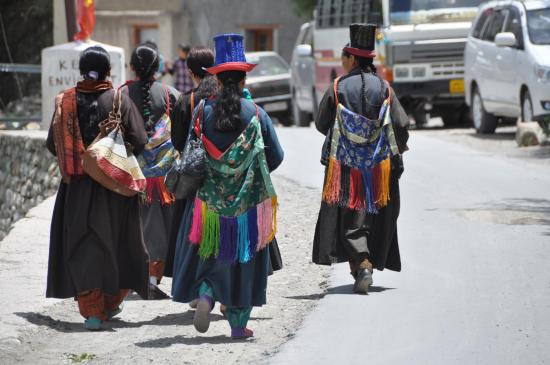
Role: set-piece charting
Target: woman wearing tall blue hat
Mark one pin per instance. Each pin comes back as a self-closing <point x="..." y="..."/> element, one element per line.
<point x="222" y="253"/>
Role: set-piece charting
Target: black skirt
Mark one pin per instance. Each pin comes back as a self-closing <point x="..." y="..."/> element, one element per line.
<point x="343" y="234"/>
<point x="95" y="242"/>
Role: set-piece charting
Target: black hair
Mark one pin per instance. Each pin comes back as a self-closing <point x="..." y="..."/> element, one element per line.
<point x="95" y="63"/>
<point x="184" y="47"/>
<point x="198" y="59"/>
<point x="151" y="44"/>
<point x="366" y="65"/>
<point x="145" y="61"/>
<point x="228" y="103"/>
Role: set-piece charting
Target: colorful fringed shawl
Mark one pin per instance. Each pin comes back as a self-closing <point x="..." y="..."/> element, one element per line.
<point x="69" y="145"/>
<point x="235" y="210"/>
<point x="157" y="158"/>
<point x="358" y="173"/>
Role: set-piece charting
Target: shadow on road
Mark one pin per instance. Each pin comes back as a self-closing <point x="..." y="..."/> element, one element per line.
<point x="173" y="319"/>
<point x="182" y="340"/>
<point x="341" y="289"/>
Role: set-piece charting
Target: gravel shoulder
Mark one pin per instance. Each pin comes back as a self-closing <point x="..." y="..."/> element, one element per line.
<point x="50" y="331"/>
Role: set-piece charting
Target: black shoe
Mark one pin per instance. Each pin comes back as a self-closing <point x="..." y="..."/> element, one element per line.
<point x="362" y="281"/>
<point x="156" y="294"/>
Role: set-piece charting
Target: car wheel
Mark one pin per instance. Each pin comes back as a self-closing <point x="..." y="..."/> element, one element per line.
<point x="301" y="119"/>
<point x="484" y="123"/>
<point x="526" y="107"/>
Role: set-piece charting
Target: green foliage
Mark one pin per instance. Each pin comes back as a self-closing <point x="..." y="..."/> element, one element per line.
<point x="78" y="358"/>
<point x="28" y="26"/>
<point x="304" y="7"/>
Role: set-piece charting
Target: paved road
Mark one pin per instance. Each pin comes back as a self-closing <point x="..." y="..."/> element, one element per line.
<point x="475" y="243"/>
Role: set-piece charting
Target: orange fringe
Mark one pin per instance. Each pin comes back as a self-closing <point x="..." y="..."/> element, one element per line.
<point x="164" y="196"/>
<point x="331" y="190"/>
<point x="381" y="183"/>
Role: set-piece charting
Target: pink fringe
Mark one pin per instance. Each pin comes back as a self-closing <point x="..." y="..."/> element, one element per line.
<point x="265" y="223"/>
<point x="196" y="228"/>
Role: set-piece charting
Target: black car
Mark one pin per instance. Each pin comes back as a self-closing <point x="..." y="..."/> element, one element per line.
<point x="269" y="84"/>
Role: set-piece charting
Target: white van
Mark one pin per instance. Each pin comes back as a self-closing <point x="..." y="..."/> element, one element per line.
<point x="507" y="61"/>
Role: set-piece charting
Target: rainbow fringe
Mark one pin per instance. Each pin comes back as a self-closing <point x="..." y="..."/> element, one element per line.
<point x="233" y="239"/>
<point x="355" y="189"/>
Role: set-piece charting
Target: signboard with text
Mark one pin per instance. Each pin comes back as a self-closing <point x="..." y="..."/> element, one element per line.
<point x="60" y="71"/>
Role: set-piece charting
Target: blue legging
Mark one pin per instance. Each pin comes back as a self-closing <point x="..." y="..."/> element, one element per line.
<point x="237" y="317"/>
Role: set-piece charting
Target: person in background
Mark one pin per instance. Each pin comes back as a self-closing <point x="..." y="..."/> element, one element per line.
<point x="358" y="217"/>
<point x="96" y="247"/>
<point x="155" y="103"/>
<point x="222" y="253"/>
<point x="183" y="81"/>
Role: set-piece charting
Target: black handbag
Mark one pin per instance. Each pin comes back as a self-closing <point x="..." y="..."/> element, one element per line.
<point x="187" y="173"/>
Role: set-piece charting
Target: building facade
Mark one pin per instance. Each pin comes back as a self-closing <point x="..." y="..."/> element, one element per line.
<point x="266" y="24"/>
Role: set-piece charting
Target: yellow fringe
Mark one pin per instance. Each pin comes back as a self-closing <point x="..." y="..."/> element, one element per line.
<point x="328" y="178"/>
<point x="274" y="210"/>
<point x="383" y="184"/>
<point x="331" y="190"/>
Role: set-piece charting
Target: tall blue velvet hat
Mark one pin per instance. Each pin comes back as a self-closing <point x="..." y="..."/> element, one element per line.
<point x="230" y="54"/>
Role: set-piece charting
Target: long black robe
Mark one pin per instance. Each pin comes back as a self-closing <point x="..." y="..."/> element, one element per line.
<point x="157" y="219"/>
<point x="343" y="234"/>
<point x="96" y="238"/>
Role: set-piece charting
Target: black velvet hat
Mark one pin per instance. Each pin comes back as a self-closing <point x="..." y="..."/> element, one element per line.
<point x="362" y="40"/>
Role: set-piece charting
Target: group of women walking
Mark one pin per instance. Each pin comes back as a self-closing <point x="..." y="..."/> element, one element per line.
<point x="218" y="245"/>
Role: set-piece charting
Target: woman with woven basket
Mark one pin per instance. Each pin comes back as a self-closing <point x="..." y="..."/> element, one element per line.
<point x="222" y="252"/>
<point x="96" y="248"/>
<point x="155" y="103"/>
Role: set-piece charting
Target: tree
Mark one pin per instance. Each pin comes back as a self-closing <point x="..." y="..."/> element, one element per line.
<point x="304" y="7"/>
<point x="26" y="28"/>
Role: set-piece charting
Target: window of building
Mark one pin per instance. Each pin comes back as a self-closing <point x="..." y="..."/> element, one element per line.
<point x="260" y="37"/>
<point x="145" y="32"/>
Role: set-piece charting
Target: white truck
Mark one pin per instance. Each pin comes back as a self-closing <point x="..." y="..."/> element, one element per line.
<point x="420" y="46"/>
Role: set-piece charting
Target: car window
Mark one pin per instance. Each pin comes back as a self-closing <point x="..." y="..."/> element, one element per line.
<point x="513" y="25"/>
<point x="267" y="66"/>
<point x="538" y="24"/>
<point x="308" y="38"/>
<point x="495" y="26"/>
<point x="481" y="21"/>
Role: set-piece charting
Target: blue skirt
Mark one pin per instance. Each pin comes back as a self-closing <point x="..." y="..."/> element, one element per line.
<point x="234" y="285"/>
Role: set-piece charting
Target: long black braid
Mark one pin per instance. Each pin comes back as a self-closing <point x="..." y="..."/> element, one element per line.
<point x="366" y="66"/>
<point x="145" y="61"/>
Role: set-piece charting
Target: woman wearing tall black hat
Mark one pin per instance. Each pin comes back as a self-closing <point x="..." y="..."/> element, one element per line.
<point x="222" y="252"/>
<point x="365" y="128"/>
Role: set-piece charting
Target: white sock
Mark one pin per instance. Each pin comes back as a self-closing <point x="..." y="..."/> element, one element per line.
<point x="153" y="280"/>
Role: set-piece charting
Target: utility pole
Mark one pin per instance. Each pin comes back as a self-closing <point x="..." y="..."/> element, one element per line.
<point x="70" y="16"/>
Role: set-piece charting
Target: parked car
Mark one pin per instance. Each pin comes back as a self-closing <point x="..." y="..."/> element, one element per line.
<point x="269" y="84"/>
<point x="302" y="70"/>
<point x="507" y="59"/>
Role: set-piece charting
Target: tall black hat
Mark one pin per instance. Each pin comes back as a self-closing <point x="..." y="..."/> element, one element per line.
<point x="362" y="39"/>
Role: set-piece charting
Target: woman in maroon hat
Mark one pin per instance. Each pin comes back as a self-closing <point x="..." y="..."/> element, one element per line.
<point x="222" y="253"/>
<point x="366" y="134"/>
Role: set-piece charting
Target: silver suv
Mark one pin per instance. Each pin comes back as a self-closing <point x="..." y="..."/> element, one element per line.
<point x="507" y="61"/>
<point x="302" y="70"/>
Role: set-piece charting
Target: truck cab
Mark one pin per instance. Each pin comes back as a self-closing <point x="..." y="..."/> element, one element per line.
<point x="420" y="50"/>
